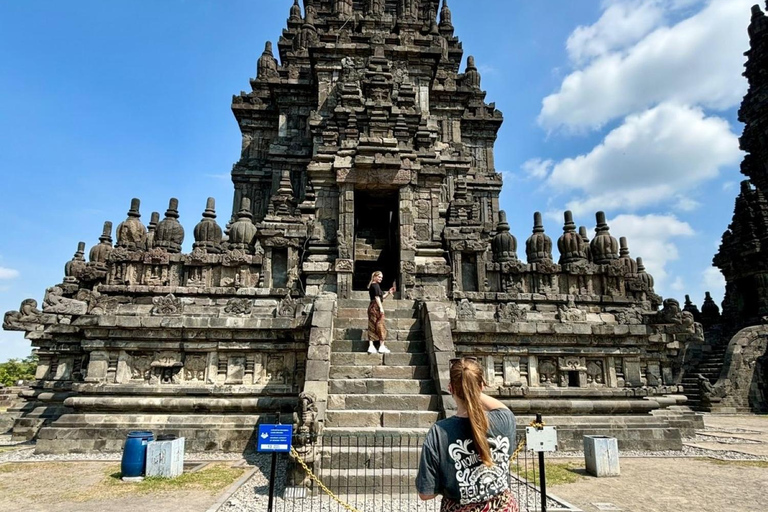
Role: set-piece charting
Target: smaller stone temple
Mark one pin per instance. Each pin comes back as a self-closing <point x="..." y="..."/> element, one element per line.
<point x="368" y="146"/>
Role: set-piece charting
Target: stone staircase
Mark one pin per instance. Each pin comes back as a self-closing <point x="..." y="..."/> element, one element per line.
<point x="710" y="367"/>
<point x="380" y="406"/>
<point x="379" y="393"/>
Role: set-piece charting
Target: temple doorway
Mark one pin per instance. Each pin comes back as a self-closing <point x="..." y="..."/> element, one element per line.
<point x="376" y="237"/>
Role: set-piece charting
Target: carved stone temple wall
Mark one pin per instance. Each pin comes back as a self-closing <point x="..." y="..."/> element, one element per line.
<point x="368" y="146"/>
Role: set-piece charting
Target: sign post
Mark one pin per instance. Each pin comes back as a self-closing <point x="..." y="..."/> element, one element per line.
<point x="274" y="439"/>
<point x="539" y="438"/>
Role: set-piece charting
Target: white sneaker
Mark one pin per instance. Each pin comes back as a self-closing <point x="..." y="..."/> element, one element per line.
<point x="372" y="349"/>
<point x="384" y="350"/>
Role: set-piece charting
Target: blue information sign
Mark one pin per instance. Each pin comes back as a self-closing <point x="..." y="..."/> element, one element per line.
<point x="275" y="438"/>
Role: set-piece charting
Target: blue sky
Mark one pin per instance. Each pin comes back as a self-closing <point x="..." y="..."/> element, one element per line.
<point x="623" y="105"/>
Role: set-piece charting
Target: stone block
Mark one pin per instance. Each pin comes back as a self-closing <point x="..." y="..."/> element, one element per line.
<point x="165" y="459"/>
<point x="601" y="454"/>
<point x="318" y="370"/>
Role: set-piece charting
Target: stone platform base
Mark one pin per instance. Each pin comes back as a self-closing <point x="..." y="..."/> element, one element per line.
<point x="86" y="433"/>
<point x="633" y="432"/>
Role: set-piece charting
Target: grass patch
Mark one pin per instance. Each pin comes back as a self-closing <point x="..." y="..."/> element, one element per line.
<point x="556" y="473"/>
<point x="741" y="463"/>
<point x="213" y="478"/>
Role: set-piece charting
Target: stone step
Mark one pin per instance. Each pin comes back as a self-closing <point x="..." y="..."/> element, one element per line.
<point x="381" y="386"/>
<point x="401" y="402"/>
<point x="363" y="301"/>
<point x="399" y="347"/>
<point x="380" y="419"/>
<point x="362" y="313"/>
<point x="345" y="480"/>
<point x="365" y="359"/>
<point x="380" y="372"/>
<point x="361" y="452"/>
<point x="359" y="333"/>
<point x="389" y="323"/>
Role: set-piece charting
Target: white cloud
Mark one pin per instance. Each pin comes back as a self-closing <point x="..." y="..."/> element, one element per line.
<point x="621" y="24"/>
<point x="8" y="273"/>
<point x="652" y="237"/>
<point x="713" y="278"/>
<point x="654" y="156"/>
<point x="678" y="285"/>
<point x="697" y="61"/>
<point x="537" y="168"/>
<point x="686" y="204"/>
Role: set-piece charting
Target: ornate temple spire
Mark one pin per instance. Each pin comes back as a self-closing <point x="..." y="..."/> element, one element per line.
<point x="170" y="232"/>
<point x="710" y="313"/>
<point x="585" y="238"/>
<point x="308" y="34"/>
<point x="131" y="233"/>
<point x="208" y="233"/>
<point x="472" y="75"/>
<point x="267" y="65"/>
<point x="629" y="263"/>
<point x="692" y="309"/>
<point x="503" y="245"/>
<point x="101" y="251"/>
<point x="295" y="15"/>
<point x="446" y="22"/>
<point x="538" y="247"/>
<point x="242" y="232"/>
<point x="76" y="265"/>
<point x="154" y="220"/>
<point x="604" y="247"/>
<point x="571" y="245"/>
<point x="644" y="276"/>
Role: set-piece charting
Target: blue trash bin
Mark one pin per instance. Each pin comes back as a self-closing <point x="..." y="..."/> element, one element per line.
<point x="135" y="453"/>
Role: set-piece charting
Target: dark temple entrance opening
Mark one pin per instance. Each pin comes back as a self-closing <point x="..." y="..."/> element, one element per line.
<point x="376" y="237"/>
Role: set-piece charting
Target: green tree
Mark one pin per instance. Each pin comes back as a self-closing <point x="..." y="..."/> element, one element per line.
<point x="15" y="370"/>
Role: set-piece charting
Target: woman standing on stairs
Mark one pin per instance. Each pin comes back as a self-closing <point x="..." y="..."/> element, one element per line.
<point x="466" y="458"/>
<point x="376" y="328"/>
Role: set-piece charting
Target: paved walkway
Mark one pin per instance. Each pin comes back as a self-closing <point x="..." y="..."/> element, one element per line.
<point x="686" y="484"/>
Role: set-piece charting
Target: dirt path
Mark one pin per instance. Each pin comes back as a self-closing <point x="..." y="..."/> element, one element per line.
<point x="91" y="487"/>
<point x="663" y="485"/>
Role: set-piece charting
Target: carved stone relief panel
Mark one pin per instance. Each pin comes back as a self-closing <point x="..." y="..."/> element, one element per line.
<point x="653" y="373"/>
<point x="140" y="366"/>
<point x="194" y="368"/>
<point x="595" y="372"/>
<point x="235" y="369"/>
<point x="548" y="372"/>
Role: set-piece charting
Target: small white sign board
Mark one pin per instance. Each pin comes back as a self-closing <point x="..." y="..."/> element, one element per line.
<point x="544" y="440"/>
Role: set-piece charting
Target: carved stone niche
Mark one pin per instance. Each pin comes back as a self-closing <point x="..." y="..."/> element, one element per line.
<point x="166" y="368"/>
<point x="573" y="371"/>
<point x="548" y="372"/>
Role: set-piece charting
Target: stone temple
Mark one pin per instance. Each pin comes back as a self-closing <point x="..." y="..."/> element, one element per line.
<point x="369" y="145"/>
<point x="729" y="372"/>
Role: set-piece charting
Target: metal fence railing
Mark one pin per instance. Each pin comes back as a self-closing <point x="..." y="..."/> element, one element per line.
<point x="375" y="473"/>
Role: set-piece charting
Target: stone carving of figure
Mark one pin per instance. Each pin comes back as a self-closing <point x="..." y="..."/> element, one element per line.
<point x="375" y="7"/>
<point x="670" y="313"/>
<point x="407" y="10"/>
<point x="55" y="302"/>
<point x="307" y="415"/>
<point x="267" y="65"/>
<point x="344" y="8"/>
<point x="27" y="313"/>
<point x="709" y="393"/>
